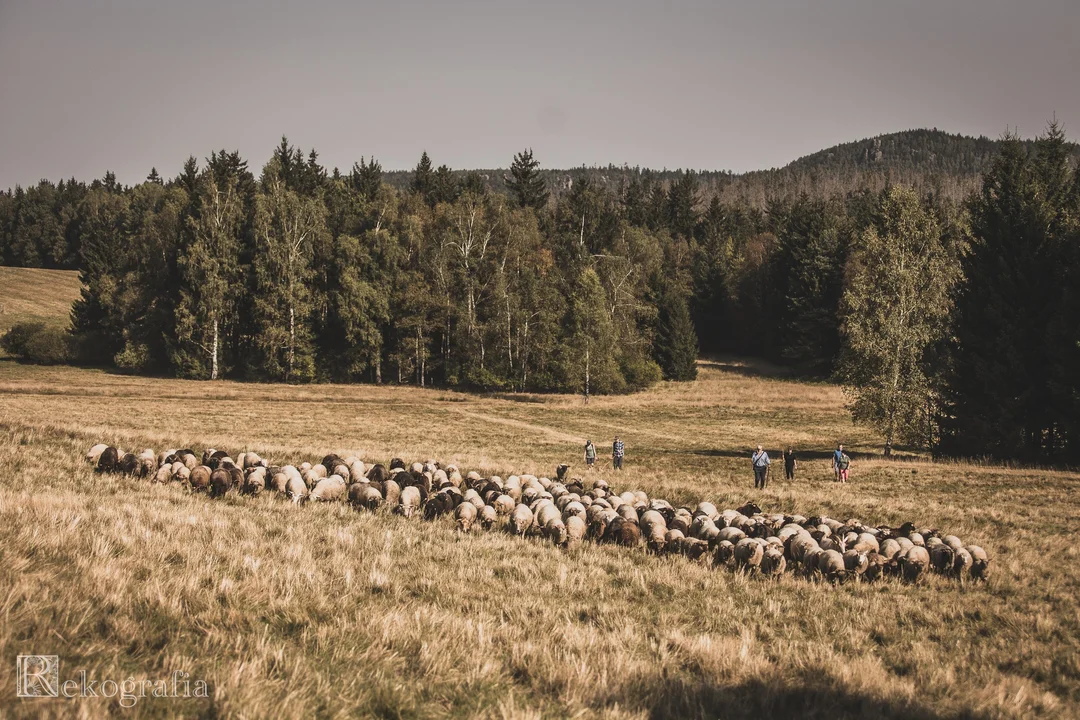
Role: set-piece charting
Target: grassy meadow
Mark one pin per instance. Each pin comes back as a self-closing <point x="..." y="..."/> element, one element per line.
<point x="36" y="295"/>
<point x="322" y="611"/>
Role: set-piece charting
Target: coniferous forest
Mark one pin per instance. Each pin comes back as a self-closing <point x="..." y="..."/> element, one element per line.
<point x="947" y="303"/>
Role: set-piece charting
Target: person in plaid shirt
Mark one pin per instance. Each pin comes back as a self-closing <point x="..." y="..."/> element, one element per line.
<point x="617" y="452"/>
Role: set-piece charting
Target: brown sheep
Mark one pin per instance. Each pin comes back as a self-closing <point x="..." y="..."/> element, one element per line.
<point x="221" y="481"/>
<point x="623" y="532"/>
<point x="200" y="478"/>
<point x="365" y="495"/>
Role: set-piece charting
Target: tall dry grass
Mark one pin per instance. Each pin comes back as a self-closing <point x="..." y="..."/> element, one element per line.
<point x="322" y="611"/>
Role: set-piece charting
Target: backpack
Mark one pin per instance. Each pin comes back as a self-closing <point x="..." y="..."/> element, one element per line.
<point x="845" y="461"/>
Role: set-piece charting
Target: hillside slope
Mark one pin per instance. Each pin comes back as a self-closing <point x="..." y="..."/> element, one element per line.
<point x="36" y="295"/>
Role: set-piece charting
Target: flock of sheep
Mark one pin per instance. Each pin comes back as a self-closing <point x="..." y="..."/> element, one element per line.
<point x="565" y="513"/>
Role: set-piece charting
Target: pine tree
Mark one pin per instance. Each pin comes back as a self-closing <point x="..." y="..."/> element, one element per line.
<point x="366" y="178"/>
<point x="525" y="182"/>
<point x="896" y="307"/>
<point x="444" y="187"/>
<point x="809" y="267"/>
<point x="153" y="177"/>
<point x="675" y="345"/>
<point x="423" y="177"/>
<point x="682" y="202"/>
<point x="1009" y="391"/>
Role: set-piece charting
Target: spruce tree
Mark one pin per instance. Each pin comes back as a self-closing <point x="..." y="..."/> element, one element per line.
<point x="525" y="182"/>
<point x="366" y="178"/>
<point x="675" y="345"/>
<point x="682" y="202"/>
<point x="1011" y="326"/>
<point x="423" y="177"/>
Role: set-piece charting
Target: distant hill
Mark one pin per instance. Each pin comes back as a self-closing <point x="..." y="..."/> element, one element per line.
<point x="950" y="164"/>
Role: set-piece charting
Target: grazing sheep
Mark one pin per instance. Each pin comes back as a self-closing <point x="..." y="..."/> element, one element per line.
<point x="876" y="566"/>
<point x="365" y="495"/>
<point x="488" y="517"/>
<point x="773" y="563"/>
<point x="221" y="481"/>
<point x="962" y="564"/>
<point x="623" y="532"/>
<point x="94" y="453"/>
<point x="440" y="503"/>
<point x="724" y="554"/>
<point x="465" y="515"/>
<point x="409" y="501"/>
<point x="913" y="562"/>
<point x="504" y="504"/>
<point x="200" y="478"/>
<point x="748" y="553"/>
<point x="296" y="489"/>
<point x="831" y="565"/>
<point x="575" y="530"/>
<point x="255" y="482"/>
<point x="164" y="474"/>
<point x="555" y="531"/>
<point x="855" y="563"/>
<point x="521" y="519"/>
<point x="979" y="562"/>
<point x="942" y="557"/>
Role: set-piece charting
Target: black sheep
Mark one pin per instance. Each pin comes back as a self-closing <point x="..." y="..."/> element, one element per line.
<point x="108" y="460"/>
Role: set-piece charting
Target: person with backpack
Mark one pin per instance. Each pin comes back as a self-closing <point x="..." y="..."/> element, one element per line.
<point x="842" y="466"/>
<point x="836" y="461"/>
<point x="760" y="461"/>
<point x="617" y="452"/>
<point x="590" y="454"/>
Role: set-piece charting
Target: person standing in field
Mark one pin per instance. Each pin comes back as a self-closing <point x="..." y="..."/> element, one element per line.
<point x="837" y="454"/>
<point x="842" y="466"/>
<point x="617" y="452"/>
<point x="760" y="461"/>
<point x="790" y="463"/>
<point x="590" y="454"/>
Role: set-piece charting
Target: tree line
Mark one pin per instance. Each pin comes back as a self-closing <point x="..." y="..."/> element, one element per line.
<point x="950" y="321"/>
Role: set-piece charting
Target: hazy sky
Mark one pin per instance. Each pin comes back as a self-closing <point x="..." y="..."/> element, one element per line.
<point x="92" y="85"/>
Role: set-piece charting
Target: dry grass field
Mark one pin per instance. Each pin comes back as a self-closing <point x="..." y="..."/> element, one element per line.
<point x="35" y="295"/>
<point x="323" y="611"/>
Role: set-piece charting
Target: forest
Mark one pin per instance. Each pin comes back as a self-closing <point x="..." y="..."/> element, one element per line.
<point x="935" y="276"/>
